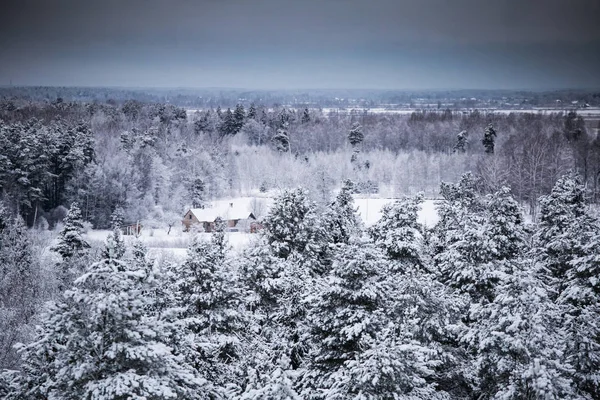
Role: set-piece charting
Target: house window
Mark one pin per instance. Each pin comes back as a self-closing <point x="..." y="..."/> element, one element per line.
<point x="190" y="216"/>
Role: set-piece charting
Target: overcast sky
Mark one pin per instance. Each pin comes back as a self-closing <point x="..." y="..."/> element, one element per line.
<point x="270" y="44"/>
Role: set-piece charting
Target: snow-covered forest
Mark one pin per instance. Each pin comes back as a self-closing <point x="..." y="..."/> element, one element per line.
<point x="156" y="160"/>
<point x="500" y="299"/>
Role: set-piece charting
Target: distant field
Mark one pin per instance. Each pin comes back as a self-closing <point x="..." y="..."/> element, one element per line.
<point x="176" y="243"/>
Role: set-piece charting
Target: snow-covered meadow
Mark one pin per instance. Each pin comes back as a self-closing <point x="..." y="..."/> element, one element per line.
<point x="160" y="241"/>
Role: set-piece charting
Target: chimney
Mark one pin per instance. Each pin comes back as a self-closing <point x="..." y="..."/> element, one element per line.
<point x="231" y="205"/>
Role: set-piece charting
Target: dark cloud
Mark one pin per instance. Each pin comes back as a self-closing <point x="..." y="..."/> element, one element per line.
<point x="310" y="43"/>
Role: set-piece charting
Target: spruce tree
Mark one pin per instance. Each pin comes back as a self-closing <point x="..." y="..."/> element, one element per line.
<point x="305" y="116"/>
<point x="281" y="141"/>
<point x="356" y="136"/>
<point x="20" y="283"/>
<point x="70" y="238"/>
<point x="101" y="342"/>
<point x="489" y="139"/>
<point x="228" y="126"/>
<point x="519" y="342"/>
<point x="252" y="112"/>
<point x="341" y="220"/>
<point x="397" y="232"/>
<point x="462" y="140"/>
<point x="209" y="303"/>
<point x="239" y="116"/>
<point x="566" y="247"/>
<point x="198" y="193"/>
<point x="357" y="351"/>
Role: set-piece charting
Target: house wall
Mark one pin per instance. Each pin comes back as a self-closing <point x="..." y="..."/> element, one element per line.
<point x="187" y="222"/>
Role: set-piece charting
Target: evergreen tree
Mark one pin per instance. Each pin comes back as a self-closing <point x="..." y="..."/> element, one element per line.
<point x="489" y="139"/>
<point x="462" y="140"/>
<point x="252" y="112"/>
<point x="341" y="220"/>
<point x="562" y="221"/>
<point x="506" y="225"/>
<point x="209" y="301"/>
<point x="239" y="116"/>
<point x="281" y="141"/>
<point x="519" y="342"/>
<point x="426" y="314"/>
<point x="70" y="238"/>
<point x="20" y="283"/>
<point x="198" y="193"/>
<point x="356" y="136"/>
<point x="581" y="301"/>
<point x="292" y="230"/>
<point x="278" y="384"/>
<point x="228" y="126"/>
<point x="357" y="352"/>
<point x="305" y="116"/>
<point x="476" y="237"/>
<point x="117" y="249"/>
<point x="566" y="247"/>
<point x="102" y="343"/>
<point x="398" y="232"/>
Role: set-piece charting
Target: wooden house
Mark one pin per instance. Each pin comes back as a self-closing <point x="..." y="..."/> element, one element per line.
<point x="131" y="229"/>
<point x="237" y="219"/>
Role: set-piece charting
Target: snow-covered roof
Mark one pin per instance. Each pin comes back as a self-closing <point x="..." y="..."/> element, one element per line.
<point x="224" y="211"/>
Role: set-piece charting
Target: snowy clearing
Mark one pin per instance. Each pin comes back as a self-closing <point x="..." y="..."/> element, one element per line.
<point x="176" y="243"/>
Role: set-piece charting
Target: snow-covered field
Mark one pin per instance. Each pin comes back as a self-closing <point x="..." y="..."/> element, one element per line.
<point x="176" y="242"/>
<point x="369" y="210"/>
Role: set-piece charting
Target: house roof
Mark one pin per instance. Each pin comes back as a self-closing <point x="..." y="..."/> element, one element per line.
<point x="225" y="212"/>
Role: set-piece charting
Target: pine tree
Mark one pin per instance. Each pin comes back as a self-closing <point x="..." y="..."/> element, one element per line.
<point x="566" y="247"/>
<point x="426" y="314"/>
<point x="398" y="232"/>
<point x="281" y="141"/>
<point x="305" y="116"/>
<point x="228" y="126"/>
<point x="70" y="239"/>
<point x="277" y="384"/>
<point x="581" y="301"/>
<point x="462" y="140"/>
<point x="489" y="138"/>
<point x="239" y="116"/>
<point x="198" y="193"/>
<point x="519" y="342"/>
<point x="356" y="136"/>
<point x="292" y="230"/>
<point x="341" y="220"/>
<point x="209" y="302"/>
<point x="252" y="112"/>
<point x="102" y="343"/>
<point x="506" y="225"/>
<point x="20" y="283"/>
<point x="476" y="237"/>
<point x="562" y="220"/>
<point x="357" y="351"/>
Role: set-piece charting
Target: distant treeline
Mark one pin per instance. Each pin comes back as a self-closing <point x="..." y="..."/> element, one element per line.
<point x="229" y="97"/>
<point x="158" y="159"/>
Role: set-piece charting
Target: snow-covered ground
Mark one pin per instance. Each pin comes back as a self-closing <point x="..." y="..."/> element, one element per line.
<point x="176" y="242"/>
<point x="369" y="210"/>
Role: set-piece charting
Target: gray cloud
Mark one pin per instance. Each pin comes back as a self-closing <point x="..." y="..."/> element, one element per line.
<point x="327" y="43"/>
